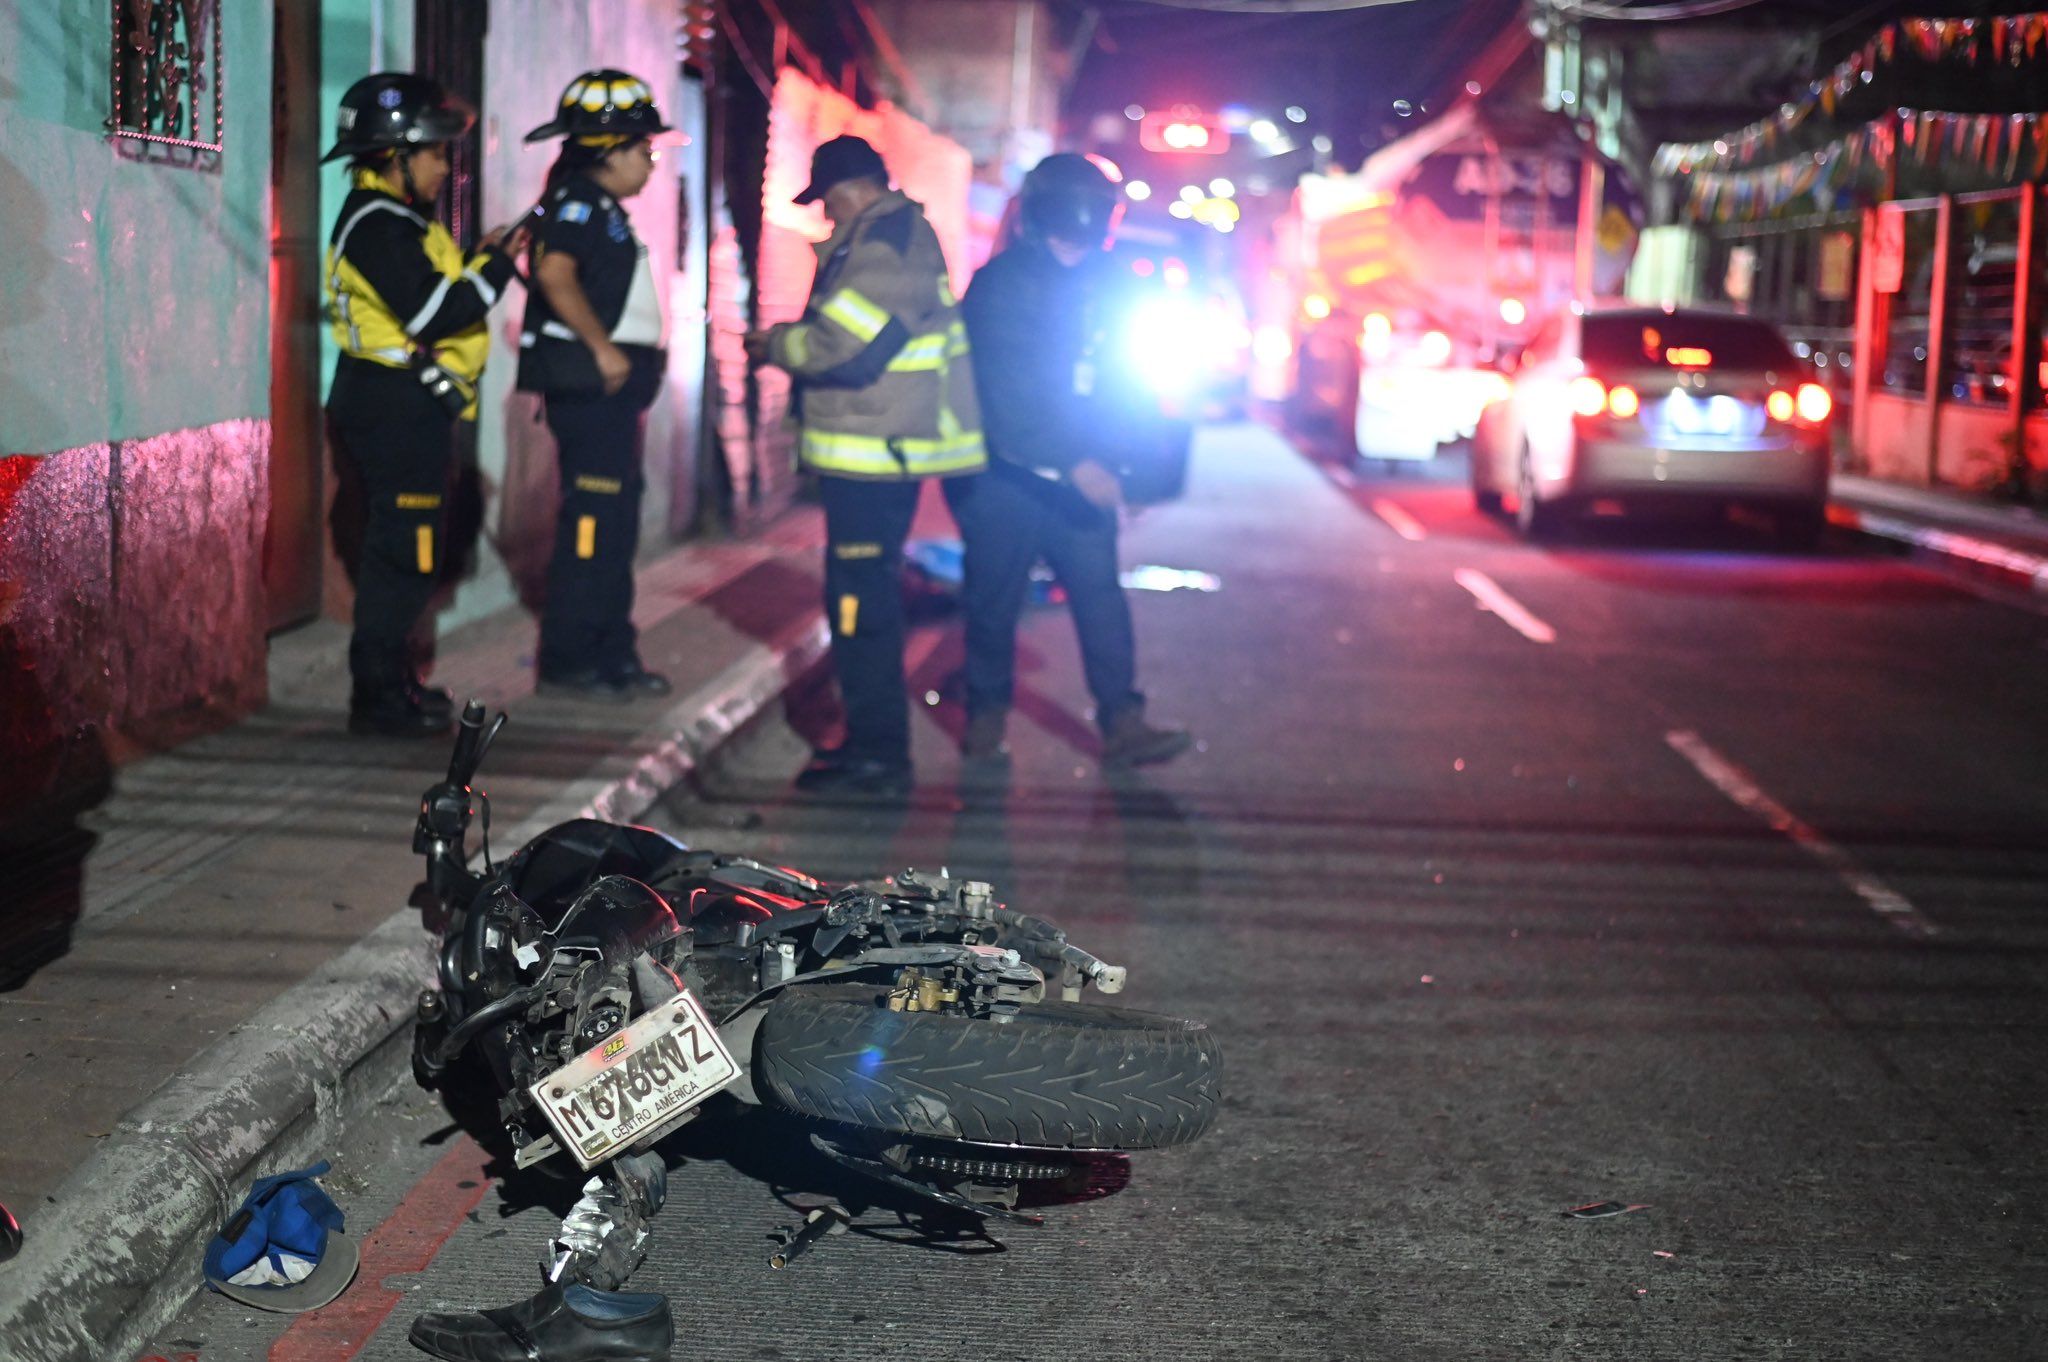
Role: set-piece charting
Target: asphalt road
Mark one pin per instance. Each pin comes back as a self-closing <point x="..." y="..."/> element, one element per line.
<point x="1660" y="868"/>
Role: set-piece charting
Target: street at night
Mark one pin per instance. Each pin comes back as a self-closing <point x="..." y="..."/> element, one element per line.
<point x="1721" y="902"/>
<point x="1023" y="680"/>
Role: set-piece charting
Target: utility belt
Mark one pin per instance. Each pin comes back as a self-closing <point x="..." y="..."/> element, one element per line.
<point x="450" y="391"/>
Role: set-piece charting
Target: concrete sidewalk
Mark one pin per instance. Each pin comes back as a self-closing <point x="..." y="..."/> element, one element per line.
<point x="2000" y="542"/>
<point x="241" y="968"/>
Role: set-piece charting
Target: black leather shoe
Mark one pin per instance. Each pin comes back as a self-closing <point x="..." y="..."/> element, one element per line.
<point x="833" y="773"/>
<point x="562" y="1324"/>
<point x="638" y="681"/>
<point x="433" y="699"/>
<point x="394" y="712"/>
<point x="586" y="685"/>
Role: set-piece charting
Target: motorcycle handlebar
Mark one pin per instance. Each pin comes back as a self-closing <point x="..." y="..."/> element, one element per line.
<point x="472" y="740"/>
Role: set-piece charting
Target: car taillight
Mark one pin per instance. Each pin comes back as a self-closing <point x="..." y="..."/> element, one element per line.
<point x="1814" y="404"/>
<point x="1590" y="397"/>
<point x="1587" y="395"/>
<point x="1809" y="405"/>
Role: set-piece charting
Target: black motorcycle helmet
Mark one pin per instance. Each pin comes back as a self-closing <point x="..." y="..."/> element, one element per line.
<point x="1066" y="195"/>
<point x="606" y="108"/>
<point x="396" y="111"/>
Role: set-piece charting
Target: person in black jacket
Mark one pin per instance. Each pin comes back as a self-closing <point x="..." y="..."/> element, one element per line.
<point x="592" y="347"/>
<point x="407" y="308"/>
<point x="1058" y="428"/>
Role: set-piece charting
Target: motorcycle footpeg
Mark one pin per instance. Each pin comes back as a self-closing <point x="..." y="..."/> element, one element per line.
<point x="820" y="1222"/>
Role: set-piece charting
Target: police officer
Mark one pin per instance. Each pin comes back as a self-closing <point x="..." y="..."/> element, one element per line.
<point x="887" y="400"/>
<point x="408" y="312"/>
<point x="1060" y="425"/>
<point x="592" y="347"/>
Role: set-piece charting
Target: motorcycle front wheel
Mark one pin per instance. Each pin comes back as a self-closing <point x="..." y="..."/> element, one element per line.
<point x="1055" y="1076"/>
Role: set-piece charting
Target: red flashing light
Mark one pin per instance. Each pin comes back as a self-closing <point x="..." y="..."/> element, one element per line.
<point x="1174" y="272"/>
<point x="1183" y="132"/>
<point x="1622" y="402"/>
<point x="1142" y="267"/>
<point x="1781" y="406"/>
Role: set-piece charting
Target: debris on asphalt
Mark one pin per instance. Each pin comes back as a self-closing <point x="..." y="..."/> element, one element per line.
<point x="1662" y="1253"/>
<point x="1597" y="1210"/>
<point x="10" y="1235"/>
<point x="819" y="1222"/>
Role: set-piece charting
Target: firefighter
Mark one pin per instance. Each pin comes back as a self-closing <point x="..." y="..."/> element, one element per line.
<point x="408" y="312"/>
<point x="592" y="346"/>
<point x="887" y="400"/>
<point x="1059" y="429"/>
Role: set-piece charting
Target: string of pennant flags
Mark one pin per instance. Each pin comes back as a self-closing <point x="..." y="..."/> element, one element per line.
<point x="1997" y="143"/>
<point x="2014" y="40"/>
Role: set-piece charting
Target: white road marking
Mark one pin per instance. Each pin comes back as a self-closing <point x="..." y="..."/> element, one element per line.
<point x="1731" y="780"/>
<point x="1511" y="611"/>
<point x="1405" y="525"/>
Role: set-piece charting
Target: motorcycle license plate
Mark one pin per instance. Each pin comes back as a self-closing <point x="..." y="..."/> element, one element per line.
<point x="656" y="1069"/>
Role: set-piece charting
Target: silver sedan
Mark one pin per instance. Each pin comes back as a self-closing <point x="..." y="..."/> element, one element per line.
<point x="1641" y="407"/>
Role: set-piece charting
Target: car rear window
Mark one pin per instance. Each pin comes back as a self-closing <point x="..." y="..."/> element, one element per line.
<point x="1682" y="342"/>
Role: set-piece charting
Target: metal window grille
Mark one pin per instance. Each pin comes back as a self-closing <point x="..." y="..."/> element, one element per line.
<point x="167" y="77"/>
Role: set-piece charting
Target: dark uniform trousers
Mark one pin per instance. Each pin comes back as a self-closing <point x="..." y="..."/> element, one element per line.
<point x="865" y="526"/>
<point x="587" y="621"/>
<point x="398" y="438"/>
<point x="1009" y="518"/>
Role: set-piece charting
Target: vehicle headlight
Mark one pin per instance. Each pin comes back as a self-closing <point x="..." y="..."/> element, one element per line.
<point x="1173" y="343"/>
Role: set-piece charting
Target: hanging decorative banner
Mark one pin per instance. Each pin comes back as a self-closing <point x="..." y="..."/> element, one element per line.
<point x="1985" y="140"/>
<point x="2012" y="40"/>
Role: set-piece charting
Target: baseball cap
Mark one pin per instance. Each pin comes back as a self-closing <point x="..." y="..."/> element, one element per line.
<point x="842" y="158"/>
<point x="284" y="1249"/>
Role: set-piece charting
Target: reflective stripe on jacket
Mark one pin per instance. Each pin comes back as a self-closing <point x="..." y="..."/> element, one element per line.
<point x="397" y="284"/>
<point x="881" y="355"/>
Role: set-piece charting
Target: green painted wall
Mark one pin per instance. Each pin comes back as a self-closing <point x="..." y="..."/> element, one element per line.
<point x="357" y="37"/>
<point x="134" y="296"/>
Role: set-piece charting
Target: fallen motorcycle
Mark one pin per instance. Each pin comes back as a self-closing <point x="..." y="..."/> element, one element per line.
<point x="610" y="980"/>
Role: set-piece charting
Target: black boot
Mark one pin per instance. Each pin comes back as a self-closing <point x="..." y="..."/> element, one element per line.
<point x="1127" y="740"/>
<point x="590" y="684"/>
<point x="634" y="677"/>
<point x="432" y="699"/>
<point x="394" y="711"/>
<point x="982" y="744"/>
<point x="562" y="1324"/>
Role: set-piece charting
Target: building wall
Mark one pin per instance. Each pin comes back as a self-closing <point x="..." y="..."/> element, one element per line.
<point x="134" y="394"/>
<point x="986" y="72"/>
<point x="132" y="293"/>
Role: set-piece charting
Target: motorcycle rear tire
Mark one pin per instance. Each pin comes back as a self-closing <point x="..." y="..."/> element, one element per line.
<point x="1057" y="1076"/>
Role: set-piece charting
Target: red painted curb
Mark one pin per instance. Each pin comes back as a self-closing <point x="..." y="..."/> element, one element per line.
<point x="408" y="1240"/>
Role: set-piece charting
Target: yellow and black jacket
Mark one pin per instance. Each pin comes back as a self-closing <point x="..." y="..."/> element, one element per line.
<point x="400" y="289"/>
<point x="880" y="356"/>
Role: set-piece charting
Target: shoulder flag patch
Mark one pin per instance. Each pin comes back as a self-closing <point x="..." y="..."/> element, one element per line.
<point x="575" y="210"/>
